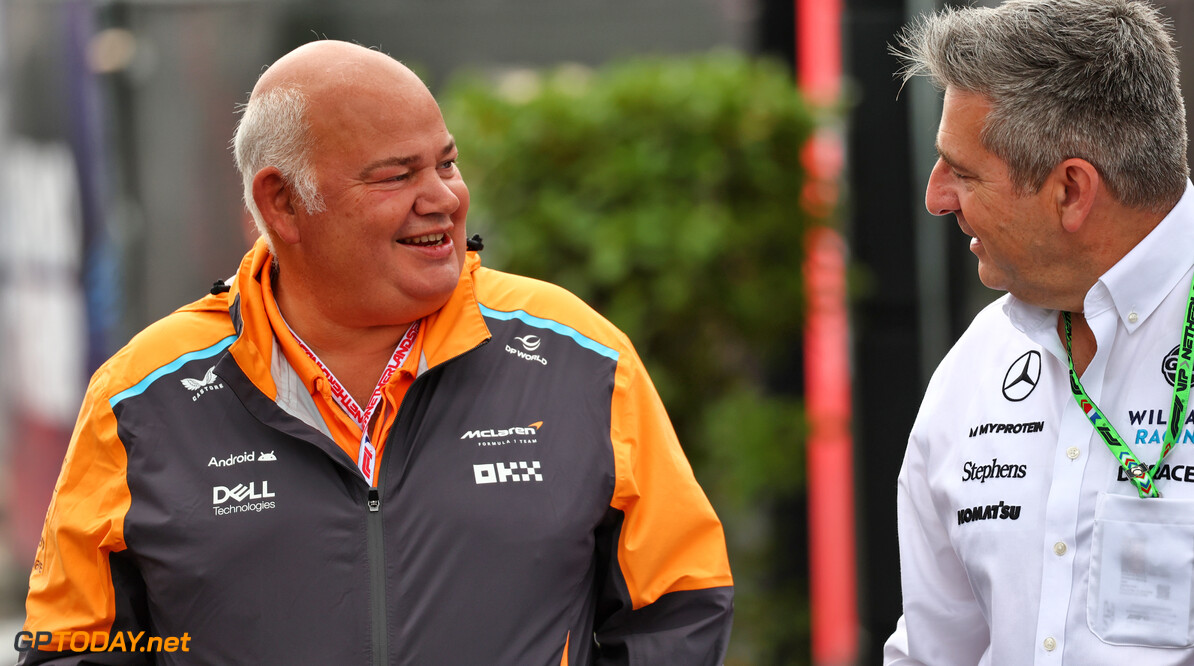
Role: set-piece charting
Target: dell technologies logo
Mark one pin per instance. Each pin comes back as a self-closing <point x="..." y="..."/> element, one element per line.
<point x="221" y="494"/>
<point x="1022" y="376"/>
<point x="259" y="499"/>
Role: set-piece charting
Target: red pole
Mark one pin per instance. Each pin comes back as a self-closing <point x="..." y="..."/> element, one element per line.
<point x="819" y="49"/>
<point x="832" y="568"/>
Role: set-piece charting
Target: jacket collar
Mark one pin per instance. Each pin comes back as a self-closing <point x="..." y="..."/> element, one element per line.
<point x="454" y="329"/>
<point x="458" y="326"/>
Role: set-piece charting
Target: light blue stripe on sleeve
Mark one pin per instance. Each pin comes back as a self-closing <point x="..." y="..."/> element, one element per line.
<point x="139" y="387"/>
<point x="555" y="326"/>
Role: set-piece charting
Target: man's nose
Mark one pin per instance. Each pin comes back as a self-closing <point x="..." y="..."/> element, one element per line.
<point x="435" y="197"/>
<point x="940" y="196"/>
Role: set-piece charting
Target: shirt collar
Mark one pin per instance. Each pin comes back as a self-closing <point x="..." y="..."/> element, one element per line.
<point x="1138" y="282"/>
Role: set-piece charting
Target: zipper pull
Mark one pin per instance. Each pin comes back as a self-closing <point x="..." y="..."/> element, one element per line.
<point x="374" y="500"/>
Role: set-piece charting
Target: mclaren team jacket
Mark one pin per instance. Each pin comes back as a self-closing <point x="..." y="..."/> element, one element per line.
<point x="532" y="504"/>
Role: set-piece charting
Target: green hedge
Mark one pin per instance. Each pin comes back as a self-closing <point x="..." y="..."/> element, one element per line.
<point x="666" y="194"/>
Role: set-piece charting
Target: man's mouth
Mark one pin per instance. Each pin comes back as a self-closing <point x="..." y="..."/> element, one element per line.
<point x="427" y="240"/>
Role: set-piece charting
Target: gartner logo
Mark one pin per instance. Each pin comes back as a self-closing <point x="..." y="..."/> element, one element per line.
<point x="1022" y="376"/>
<point x="530" y="343"/>
<point x="528" y="434"/>
<point x="200" y="386"/>
<point x="238" y="494"/>
<point x="514" y="472"/>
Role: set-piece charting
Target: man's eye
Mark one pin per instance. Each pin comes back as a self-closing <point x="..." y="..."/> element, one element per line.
<point x="399" y="177"/>
<point x="448" y="164"/>
<point x="960" y="176"/>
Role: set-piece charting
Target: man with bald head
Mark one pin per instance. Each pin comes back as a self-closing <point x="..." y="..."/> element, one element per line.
<point x="365" y="448"/>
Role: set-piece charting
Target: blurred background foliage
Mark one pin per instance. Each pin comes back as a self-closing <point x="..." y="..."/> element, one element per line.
<point x="665" y="192"/>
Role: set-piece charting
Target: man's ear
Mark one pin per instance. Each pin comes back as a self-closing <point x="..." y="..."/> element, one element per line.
<point x="277" y="204"/>
<point x="1077" y="183"/>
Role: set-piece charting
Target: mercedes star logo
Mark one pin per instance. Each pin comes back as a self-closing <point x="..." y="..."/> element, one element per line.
<point x="1022" y="376"/>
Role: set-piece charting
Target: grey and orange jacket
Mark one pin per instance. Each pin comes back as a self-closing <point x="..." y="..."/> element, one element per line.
<point x="532" y="504"/>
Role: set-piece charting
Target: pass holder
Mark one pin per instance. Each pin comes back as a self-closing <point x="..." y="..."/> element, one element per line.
<point x="1183" y="380"/>
<point x="366" y="452"/>
<point x="1141" y="571"/>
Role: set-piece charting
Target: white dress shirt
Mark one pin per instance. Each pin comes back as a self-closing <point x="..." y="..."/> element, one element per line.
<point x="1021" y="541"/>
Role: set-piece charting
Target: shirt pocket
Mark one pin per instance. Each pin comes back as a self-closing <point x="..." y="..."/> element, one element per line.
<point x="1141" y="564"/>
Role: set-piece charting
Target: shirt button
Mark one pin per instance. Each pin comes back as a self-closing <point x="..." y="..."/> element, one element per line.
<point x="1059" y="549"/>
<point x="1050" y="644"/>
<point x="1133" y="317"/>
<point x="1073" y="452"/>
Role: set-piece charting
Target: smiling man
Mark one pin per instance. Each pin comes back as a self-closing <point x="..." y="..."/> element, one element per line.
<point x="365" y="448"/>
<point x="1046" y="515"/>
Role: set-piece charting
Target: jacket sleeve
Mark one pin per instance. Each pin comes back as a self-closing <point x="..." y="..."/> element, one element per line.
<point x="667" y="596"/>
<point x="83" y="580"/>
<point x="942" y="623"/>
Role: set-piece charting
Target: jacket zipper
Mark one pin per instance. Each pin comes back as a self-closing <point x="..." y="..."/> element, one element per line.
<point x="375" y="546"/>
<point x="375" y="543"/>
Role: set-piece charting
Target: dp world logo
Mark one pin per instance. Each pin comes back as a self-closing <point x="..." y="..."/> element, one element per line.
<point x="1169" y="365"/>
<point x="1022" y="376"/>
<point x="530" y="342"/>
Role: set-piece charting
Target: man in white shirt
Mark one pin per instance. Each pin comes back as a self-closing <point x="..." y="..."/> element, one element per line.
<point x="1039" y="521"/>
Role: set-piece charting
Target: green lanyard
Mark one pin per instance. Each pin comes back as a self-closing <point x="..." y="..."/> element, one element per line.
<point x="1137" y="472"/>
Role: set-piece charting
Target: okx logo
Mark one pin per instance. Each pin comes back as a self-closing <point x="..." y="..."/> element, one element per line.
<point x="514" y="472"/>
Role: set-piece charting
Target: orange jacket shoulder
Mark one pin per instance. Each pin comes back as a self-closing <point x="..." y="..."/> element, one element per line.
<point x="508" y="292"/>
<point x="188" y="329"/>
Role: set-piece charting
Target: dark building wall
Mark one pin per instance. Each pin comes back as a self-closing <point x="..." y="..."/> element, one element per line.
<point x="887" y="381"/>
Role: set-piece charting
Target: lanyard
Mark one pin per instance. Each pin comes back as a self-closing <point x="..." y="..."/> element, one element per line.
<point x="361" y="417"/>
<point x="1140" y="475"/>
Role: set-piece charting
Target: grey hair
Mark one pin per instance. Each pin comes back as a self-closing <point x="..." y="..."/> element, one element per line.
<point x="1093" y="79"/>
<point x="273" y="131"/>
